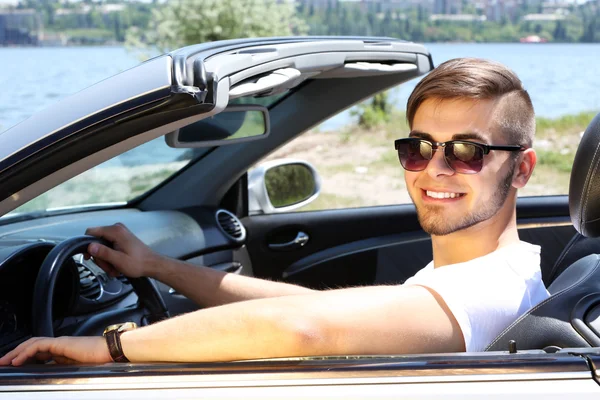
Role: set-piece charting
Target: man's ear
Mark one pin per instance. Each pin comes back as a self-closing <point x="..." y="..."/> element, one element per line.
<point x="525" y="164"/>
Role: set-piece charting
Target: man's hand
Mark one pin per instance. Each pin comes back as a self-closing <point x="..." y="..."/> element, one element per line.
<point x="129" y="255"/>
<point x="63" y="350"/>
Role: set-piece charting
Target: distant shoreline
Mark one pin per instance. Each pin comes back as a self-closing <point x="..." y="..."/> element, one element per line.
<point x="123" y="44"/>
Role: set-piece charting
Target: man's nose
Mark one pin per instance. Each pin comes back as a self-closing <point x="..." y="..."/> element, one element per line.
<point x="437" y="166"/>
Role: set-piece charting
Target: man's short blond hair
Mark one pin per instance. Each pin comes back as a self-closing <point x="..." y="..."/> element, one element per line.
<point x="479" y="79"/>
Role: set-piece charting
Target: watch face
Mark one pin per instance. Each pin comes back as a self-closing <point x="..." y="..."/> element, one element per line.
<point x="122" y="327"/>
<point x="110" y="328"/>
<point x="127" y="326"/>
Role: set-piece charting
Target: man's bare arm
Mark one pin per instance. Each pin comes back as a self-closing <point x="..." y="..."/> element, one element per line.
<point x="370" y="320"/>
<point x="205" y="286"/>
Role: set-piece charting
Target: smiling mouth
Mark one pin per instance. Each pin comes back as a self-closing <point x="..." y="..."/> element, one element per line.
<point x="442" y="195"/>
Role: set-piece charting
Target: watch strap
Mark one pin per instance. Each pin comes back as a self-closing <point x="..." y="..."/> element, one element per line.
<point x="113" y="341"/>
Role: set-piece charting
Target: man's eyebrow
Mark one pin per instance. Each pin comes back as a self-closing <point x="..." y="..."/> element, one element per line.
<point x="457" y="136"/>
<point x="419" y="134"/>
<point x="469" y="136"/>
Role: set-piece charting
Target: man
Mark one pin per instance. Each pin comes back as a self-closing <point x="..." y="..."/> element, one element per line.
<point x="468" y="152"/>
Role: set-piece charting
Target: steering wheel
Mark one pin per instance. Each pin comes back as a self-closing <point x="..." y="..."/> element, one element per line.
<point x="150" y="302"/>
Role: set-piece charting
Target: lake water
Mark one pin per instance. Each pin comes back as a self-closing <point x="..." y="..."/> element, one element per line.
<point x="561" y="78"/>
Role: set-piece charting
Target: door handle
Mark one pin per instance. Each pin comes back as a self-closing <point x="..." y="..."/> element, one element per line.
<point x="299" y="241"/>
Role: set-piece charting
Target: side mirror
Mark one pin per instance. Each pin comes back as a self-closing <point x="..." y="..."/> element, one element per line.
<point x="281" y="186"/>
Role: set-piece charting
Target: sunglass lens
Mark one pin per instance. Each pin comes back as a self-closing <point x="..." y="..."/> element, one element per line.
<point x="464" y="158"/>
<point x="414" y="154"/>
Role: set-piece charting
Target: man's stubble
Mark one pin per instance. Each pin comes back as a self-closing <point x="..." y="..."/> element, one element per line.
<point x="434" y="222"/>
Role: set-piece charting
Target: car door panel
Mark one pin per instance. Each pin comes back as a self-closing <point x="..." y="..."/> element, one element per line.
<point x="378" y="245"/>
<point x="345" y="247"/>
<point x="383" y="259"/>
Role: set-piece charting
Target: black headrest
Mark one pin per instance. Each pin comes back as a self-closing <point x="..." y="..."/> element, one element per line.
<point x="584" y="189"/>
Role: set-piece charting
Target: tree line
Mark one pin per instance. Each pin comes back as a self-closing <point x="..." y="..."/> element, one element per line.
<point x="173" y="24"/>
<point x="580" y="24"/>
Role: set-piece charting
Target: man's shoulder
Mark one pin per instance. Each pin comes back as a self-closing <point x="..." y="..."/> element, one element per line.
<point x="522" y="257"/>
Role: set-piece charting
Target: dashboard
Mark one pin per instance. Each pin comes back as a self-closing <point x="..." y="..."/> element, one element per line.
<point x="83" y="290"/>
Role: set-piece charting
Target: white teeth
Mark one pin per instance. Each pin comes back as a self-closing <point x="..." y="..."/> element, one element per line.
<point x="442" y="195"/>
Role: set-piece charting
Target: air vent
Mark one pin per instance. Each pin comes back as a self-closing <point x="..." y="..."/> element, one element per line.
<point x="123" y="279"/>
<point x="231" y="225"/>
<point x="89" y="287"/>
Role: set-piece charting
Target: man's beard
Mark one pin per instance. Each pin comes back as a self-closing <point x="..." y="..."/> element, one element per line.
<point x="434" y="222"/>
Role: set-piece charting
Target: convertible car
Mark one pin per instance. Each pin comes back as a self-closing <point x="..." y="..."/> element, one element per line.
<point x="178" y="149"/>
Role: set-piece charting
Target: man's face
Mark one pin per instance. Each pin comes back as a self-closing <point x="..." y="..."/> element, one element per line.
<point x="473" y="198"/>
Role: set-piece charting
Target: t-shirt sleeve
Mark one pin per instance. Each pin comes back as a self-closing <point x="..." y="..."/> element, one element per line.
<point x="483" y="300"/>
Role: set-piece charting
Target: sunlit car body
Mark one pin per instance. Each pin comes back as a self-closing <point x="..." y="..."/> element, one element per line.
<point x="189" y="209"/>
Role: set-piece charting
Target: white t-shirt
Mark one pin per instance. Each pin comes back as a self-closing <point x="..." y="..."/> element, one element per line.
<point x="488" y="293"/>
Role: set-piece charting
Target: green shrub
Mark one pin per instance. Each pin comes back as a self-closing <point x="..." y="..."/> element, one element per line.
<point x="375" y="113"/>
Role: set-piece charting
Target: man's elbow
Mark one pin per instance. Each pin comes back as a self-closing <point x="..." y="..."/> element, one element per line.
<point x="306" y="336"/>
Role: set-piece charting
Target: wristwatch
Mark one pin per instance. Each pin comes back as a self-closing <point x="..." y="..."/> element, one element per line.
<point x="112" y="334"/>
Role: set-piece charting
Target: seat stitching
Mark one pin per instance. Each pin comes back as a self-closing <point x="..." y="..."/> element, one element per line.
<point x="590" y="172"/>
<point x="549" y="299"/>
<point x="578" y="237"/>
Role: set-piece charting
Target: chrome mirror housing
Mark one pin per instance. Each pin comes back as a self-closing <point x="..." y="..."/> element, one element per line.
<point x="283" y="185"/>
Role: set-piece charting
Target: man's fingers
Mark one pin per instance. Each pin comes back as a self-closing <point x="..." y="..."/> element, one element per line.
<point x="5" y="359"/>
<point x="112" y="233"/>
<point x="106" y="232"/>
<point x="106" y="267"/>
<point x="103" y="253"/>
<point x="35" y="346"/>
<point x="10" y="356"/>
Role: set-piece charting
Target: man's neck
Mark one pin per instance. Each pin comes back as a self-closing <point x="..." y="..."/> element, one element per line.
<point x="476" y="241"/>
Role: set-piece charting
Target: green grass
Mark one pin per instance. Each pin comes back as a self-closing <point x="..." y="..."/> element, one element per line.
<point x="559" y="162"/>
<point x="565" y="125"/>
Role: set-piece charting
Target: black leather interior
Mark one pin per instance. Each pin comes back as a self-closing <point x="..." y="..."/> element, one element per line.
<point x="584" y="188"/>
<point x="578" y="247"/>
<point x="553" y="240"/>
<point x="562" y="319"/>
<point x="549" y="323"/>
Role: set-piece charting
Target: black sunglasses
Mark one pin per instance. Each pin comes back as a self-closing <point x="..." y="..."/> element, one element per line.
<point x="461" y="156"/>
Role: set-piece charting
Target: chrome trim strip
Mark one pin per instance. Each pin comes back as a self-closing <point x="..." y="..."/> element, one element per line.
<point x="535" y="390"/>
<point x="276" y="379"/>
<point x="550" y="224"/>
